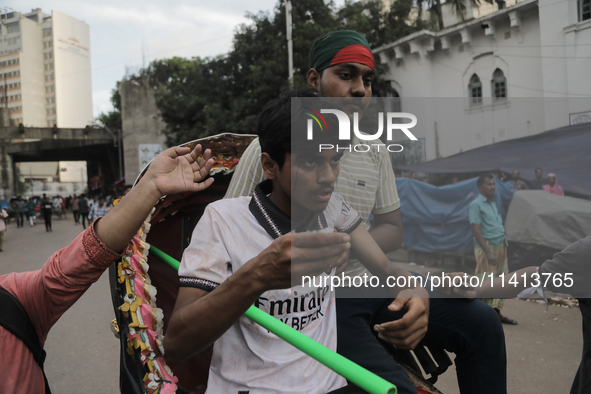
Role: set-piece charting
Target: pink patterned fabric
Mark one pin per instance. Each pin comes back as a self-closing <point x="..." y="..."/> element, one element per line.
<point x="46" y="294"/>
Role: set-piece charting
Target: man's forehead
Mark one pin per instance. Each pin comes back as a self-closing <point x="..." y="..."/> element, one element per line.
<point x="362" y="68"/>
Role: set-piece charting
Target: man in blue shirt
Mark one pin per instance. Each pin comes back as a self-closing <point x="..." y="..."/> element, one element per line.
<point x="490" y="243"/>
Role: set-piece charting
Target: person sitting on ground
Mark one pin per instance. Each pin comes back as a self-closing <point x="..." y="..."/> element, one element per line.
<point x="553" y="187"/>
<point x="47" y="293"/>
<point x="243" y="252"/>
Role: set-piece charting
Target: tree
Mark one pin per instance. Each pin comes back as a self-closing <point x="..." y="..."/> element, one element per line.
<point x="199" y="97"/>
<point x="458" y="7"/>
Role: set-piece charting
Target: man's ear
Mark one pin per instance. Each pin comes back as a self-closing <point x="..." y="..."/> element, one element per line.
<point x="269" y="165"/>
<point x="313" y="78"/>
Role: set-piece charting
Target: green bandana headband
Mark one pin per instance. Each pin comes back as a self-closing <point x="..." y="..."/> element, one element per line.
<point x="343" y="46"/>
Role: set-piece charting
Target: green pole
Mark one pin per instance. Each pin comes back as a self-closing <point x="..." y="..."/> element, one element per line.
<point x="354" y="373"/>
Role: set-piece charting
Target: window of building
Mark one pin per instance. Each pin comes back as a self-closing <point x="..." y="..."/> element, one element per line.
<point x="498" y="85"/>
<point x="47" y="32"/>
<point x="475" y="89"/>
<point x="48" y="66"/>
<point x="49" y="89"/>
<point x="13" y="28"/>
<point x="47" y="44"/>
<point x="50" y="111"/>
<point x="584" y="10"/>
<point x="50" y="100"/>
<point x="49" y="77"/>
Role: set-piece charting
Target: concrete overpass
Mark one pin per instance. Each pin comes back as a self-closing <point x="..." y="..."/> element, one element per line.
<point x="99" y="147"/>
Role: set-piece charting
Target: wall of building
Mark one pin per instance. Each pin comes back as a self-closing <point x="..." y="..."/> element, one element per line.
<point x="432" y="71"/>
<point x="31" y="65"/>
<point x="566" y="51"/>
<point x="141" y="123"/>
<point x="71" y="57"/>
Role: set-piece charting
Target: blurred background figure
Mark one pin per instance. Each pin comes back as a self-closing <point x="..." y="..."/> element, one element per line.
<point x="83" y="208"/>
<point x="539" y="182"/>
<point x="47" y="210"/>
<point x="75" y="209"/>
<point x="19" y="209"/>
<point x="58" y="206"/>
<point x="518" y="184"/>
<point x="32" y="206"/>
<point x="553" y="186"/>
<point x="3" y="215"/>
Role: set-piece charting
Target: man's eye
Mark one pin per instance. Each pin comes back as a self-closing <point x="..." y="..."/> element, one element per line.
<point x="368" y="82"/>
<point x="336" y="160"/>
<point x="310" y="162"/>
<point x="345" y="75"/>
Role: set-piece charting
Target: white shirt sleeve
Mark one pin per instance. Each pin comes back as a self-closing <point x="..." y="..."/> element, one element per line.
<point x="206" y="262"/>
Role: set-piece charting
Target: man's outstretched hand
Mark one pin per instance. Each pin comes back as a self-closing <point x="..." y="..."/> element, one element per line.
<point x="173" y="171"/>
<point x="179" y="170"/>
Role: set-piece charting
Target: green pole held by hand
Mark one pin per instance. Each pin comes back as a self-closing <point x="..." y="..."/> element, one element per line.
<point x="354" y="373"/>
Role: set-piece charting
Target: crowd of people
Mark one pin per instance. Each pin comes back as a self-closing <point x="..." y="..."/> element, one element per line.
<point x="549" y="184"/>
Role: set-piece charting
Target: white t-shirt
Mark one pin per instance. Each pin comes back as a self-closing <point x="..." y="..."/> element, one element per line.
<point x="248" y="358"/>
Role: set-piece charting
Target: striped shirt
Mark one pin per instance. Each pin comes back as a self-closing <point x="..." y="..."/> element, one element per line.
<point x="97" y="211"/>
<point x="366" y="181"/>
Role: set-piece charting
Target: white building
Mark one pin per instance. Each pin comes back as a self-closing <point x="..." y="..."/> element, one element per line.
<point x="508" y="73"/>
<point x="45" y="69"/>
<point x="54" y="178"/>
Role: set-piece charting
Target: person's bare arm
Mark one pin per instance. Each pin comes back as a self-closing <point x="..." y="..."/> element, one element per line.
<point x="480" y="241"/>
<point x="173" y="171"/>
<point x="388" y="231"/>
<point x="200" y="318"/>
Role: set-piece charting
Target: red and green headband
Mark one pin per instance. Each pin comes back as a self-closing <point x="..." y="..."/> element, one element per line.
<point x="343" y="46"/>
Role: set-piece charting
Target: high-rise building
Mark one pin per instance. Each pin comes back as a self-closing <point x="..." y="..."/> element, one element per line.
<point x="45" y="75"/>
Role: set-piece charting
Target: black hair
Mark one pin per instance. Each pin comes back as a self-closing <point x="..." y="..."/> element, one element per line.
<point x="539" y="168"/>
<point x="278" y="125"/>
<point x="482" y="178"/>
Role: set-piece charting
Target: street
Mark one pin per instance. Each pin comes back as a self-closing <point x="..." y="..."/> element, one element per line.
<point x="543" y="351"/>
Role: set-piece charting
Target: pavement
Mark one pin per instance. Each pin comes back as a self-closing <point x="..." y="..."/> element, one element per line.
<point x="543" y="350"/>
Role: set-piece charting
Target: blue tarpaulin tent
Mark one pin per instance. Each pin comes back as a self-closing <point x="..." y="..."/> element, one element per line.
<point x="435" y="219"/>
<point x="565" y="151"/>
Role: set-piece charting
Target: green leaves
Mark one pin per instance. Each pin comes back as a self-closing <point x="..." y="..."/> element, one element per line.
<point x="199" y="97"/>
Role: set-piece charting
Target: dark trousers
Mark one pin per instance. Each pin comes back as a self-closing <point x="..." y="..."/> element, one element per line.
<point x="20" y="219"/>
<point x="47" y="217"/>
<point x="470" y="329"/>
<point x="76" y="216"/>
<point x="582" y="382"/>
<point x="83" y="217"/>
